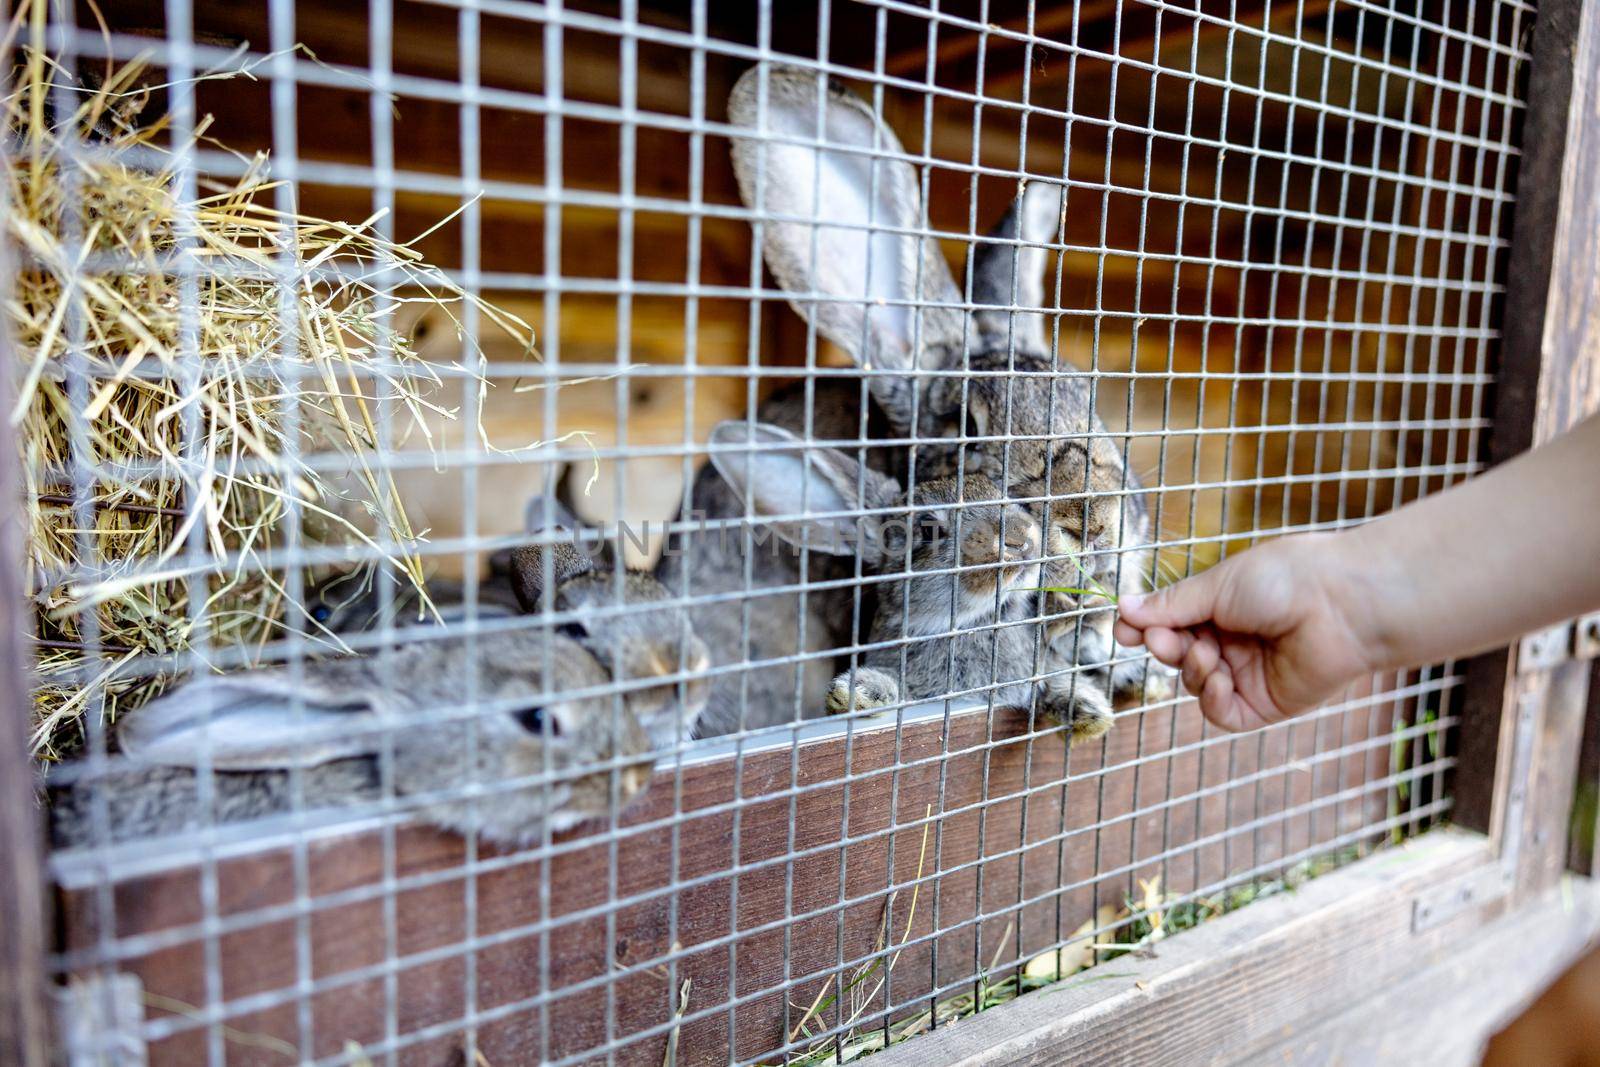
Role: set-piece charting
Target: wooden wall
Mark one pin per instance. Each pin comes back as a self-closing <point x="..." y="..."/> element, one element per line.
<point x="1224" y="326"/>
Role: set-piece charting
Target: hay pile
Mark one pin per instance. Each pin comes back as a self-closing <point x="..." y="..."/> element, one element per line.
<point x="165" y="416"/>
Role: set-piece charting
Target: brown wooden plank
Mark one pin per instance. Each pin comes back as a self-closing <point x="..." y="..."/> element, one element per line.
<point x="1549" y="378"/>
<point x="1095" y="830"/>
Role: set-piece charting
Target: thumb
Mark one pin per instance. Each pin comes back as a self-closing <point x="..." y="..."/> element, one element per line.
<point x="1187" y="603"/>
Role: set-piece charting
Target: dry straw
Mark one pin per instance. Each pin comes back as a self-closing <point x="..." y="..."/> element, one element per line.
<point x="170" y="355"/>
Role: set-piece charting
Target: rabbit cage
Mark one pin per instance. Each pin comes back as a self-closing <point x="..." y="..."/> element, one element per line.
<point x="683" y="354"/>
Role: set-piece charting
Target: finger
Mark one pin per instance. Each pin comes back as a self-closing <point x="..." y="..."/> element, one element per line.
<point x="1168" y="646"/>
<point x="1219" y="704"/>
<point x="1200" y="661"/>
<point x="1127" y="636"/>
<point x="1187" y="603"/>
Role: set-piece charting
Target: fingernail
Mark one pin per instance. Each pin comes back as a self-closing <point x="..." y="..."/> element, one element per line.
<point x="1133" y="601"/>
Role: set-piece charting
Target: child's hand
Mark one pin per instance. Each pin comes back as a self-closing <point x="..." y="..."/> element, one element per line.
<point x="1263" y="635"/>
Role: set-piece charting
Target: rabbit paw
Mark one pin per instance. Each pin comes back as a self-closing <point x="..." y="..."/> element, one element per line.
<point x="1084" y="707"/>
<point x="1143" y="681"/>
<point x="871" y="689"/>
<point x="1090" y="714"/>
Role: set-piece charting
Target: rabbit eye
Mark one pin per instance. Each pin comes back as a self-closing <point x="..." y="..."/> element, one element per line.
<point x="537" y="722"/>
<point x="321" y="613"/>
<point x="575" y="630"/>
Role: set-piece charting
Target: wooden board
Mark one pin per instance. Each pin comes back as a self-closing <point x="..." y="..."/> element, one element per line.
<point x="829" y="838"/>
<point x="22" y="887"/>
<point x="1333" y="974"/>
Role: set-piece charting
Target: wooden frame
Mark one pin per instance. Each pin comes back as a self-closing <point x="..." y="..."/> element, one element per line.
<point x="1377" y="921"/>
<point x="23" y="984"/>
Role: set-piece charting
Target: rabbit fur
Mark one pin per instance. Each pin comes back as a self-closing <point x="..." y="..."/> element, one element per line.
<point x="629" y="622"/>
<point x="624" y="619"/>
<point x="707" y="556"/>
<point x="542" y="758"/>
<point x="959" y="565"/>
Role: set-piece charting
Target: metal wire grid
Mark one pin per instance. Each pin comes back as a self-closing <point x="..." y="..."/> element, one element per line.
<point x="1359" y="729"/>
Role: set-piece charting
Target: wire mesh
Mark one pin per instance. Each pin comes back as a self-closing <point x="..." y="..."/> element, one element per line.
<point x="676" y="678"/>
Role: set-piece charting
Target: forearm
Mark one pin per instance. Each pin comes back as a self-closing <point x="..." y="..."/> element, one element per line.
<point x="1476" y="566"/>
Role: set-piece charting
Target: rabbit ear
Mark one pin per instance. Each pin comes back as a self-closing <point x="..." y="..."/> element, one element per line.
<point x="249" y="722"/>
<point x="864" y="273"/>
<point x="796" y="483"/>
<point x="1009" y="275"/>
<point x="552" y="511"/>
<point x="566" y="562"/>
<point x="546" y="511"/>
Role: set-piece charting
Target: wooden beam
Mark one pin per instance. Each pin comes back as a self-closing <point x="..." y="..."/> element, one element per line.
<point x="1236" y="985"/>
<point x="23" y="911"/>
<point x="1054" y="23"/>
<point x="1520" y="734"/>
<point x="1441" y="1014"/>
<point x="1124" y="28"/>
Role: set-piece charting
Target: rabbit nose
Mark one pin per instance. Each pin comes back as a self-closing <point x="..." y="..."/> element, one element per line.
<point x="659" y="662"/>
<point x="1026" y="550"/>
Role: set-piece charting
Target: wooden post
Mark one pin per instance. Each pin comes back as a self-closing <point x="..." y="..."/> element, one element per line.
<point x="1521" y="730"/>
<point x="22" y="898"/>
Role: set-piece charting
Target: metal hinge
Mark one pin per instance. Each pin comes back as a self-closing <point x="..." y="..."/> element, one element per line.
<point x="1586" y="637"/>
<point x="100" y="1021"/>
<point x="1545" y="649"/>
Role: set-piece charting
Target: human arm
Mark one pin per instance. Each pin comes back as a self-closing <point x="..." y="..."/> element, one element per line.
<point x="1276" y="630"/>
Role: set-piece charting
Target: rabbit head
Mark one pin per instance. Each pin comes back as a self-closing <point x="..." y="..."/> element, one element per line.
<point x="821" y="499"/>
<point x="967" y="526"/>
<point x="1095" y="526"/>
<point x="631" y="624"/>
<point x="545" y="753"/>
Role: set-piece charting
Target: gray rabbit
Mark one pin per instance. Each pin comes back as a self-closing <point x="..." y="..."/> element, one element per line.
<point x="976" y="391"/>
<point x="626" y="620"/>
<point x="746" y="600"/>
<point x="956" y="605"/>
<point x="547" y="753"/>
<point x="632" y="625"/>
